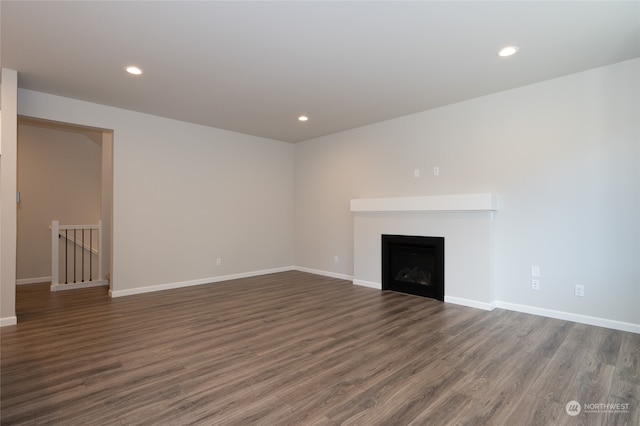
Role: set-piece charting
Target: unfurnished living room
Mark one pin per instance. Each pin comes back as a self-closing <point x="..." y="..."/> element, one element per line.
<point x="320" y="213"/>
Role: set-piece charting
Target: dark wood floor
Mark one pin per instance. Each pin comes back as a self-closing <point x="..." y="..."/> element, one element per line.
<point x="297" y="349"/>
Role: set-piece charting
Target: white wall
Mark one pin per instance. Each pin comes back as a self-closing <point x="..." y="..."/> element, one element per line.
<point x="8" y="163"/>
<point x="59" y="178"/>
<point x="563" y="156"/>
<point x="107" y="199"/>
<point x="185" y="195"/>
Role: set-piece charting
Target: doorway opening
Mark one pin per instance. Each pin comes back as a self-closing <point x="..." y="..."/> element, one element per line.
<point x="65" y="174"/>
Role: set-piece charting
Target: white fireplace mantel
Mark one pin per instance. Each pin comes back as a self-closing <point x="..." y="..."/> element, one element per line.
<point x="459" y="202"/>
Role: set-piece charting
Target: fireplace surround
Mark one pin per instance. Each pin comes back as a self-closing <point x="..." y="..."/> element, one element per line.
<point x="466" y="221"/>
<point x="414" y="265"/>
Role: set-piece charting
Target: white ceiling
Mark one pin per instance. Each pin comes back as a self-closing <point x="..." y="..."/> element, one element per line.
<point x="253" y="67"/>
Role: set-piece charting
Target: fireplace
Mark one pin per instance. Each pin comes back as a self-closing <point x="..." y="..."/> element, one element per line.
<point x="413" y="265"/>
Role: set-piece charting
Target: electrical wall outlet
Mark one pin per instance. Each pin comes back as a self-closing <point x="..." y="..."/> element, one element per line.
<point x="218" y="261"/>
<point x="535" y="271"/>
<point x="535" y="284"/>
<point x="335" y="259"/>
<point x="579" y="290"/>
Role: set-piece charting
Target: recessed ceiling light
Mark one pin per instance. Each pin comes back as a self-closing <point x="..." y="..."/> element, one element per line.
<point x="134" y="70"/>
<point x="508" y="51"/>
<point x="303" y="118"/>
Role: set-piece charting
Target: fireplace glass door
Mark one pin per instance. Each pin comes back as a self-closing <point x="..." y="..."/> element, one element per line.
<point x="414" y="265"/>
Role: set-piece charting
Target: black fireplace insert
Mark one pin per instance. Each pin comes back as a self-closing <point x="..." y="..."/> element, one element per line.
<point x="413" y="265"/>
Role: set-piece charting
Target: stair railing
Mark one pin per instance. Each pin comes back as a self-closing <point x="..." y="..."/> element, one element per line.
<point x="76" y="258"/>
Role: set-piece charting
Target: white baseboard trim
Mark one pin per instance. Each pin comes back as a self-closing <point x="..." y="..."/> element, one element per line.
<point x="369" y="284"/>
<point x="35" y="280"/>
<point x="584" y="319"/>
<point x="323" y="273"/>
<point x="448" y="299"/>
<point x="201" y="281"/>
<point x="73" y="286"/>
<point x="8" y="321"/>
<point x="567" y="316"/>
<point x="470" y="303"/>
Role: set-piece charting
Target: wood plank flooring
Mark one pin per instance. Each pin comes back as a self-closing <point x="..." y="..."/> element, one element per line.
<point x="299" y="349"/>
